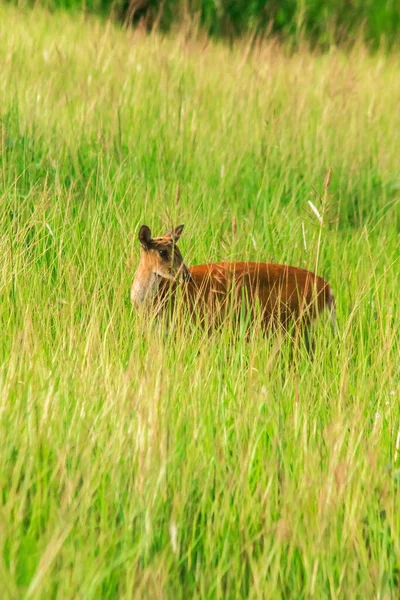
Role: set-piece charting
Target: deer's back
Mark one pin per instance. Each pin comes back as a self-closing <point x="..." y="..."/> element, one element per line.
<point x="282" y="292"/>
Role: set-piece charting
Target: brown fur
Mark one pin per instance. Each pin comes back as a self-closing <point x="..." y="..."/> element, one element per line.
<point x="282" y="294"/>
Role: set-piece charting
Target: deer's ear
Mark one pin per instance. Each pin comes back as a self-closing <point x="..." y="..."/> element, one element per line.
<point x="175" y="234"/>
<point x="145" y="237"/>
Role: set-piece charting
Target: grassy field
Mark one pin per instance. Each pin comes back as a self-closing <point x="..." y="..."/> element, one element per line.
<point x="140" y="464"/>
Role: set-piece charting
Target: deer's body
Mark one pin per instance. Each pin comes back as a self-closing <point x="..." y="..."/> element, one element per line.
<point x="280" y="294"/>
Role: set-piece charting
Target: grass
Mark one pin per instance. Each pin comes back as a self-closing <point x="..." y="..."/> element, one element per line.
<point x="140" y="464"/>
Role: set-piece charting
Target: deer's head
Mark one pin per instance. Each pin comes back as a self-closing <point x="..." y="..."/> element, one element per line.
<point x="160" y="261"/>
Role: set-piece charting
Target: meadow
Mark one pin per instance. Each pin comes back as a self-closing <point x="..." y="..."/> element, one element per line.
<point x="140" y="462"/>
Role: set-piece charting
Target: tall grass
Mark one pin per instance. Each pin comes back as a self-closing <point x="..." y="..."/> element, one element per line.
<point x="321" y="22"/>
<point x="140" y="462"/>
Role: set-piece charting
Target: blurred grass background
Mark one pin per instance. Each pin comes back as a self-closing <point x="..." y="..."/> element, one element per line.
<point x="319" y="22"/>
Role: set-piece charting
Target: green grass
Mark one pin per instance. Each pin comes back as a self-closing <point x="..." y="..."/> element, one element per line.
<point x="137" y="462"/>
<point x="320" y="22"/>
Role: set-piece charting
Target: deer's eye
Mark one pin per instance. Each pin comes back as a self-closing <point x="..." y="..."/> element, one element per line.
<point x="163" y="254"/>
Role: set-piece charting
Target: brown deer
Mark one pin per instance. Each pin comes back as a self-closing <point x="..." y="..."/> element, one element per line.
<point x="215" y="291"/>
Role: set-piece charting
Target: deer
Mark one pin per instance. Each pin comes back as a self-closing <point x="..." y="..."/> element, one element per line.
<point x="281" y="295"/>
